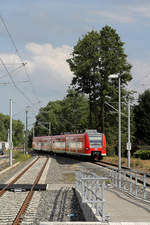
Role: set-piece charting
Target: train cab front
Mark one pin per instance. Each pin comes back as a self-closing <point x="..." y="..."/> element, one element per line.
<point x="97" y="145"/>
<point x="95" y="155"/>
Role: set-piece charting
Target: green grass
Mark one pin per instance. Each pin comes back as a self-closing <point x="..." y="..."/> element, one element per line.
<point x="20" y="156"/>
<point x="136" y="164"/>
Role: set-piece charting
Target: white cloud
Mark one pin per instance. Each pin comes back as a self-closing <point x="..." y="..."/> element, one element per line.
<point x="9" y="58"/>
<point x="115" y="16"/>
<point x="48" y="70"/>
<point x="48" y="66"/>
<point x="141" y="76"/>
<point x="140" y="9"/>
<point x="124" y="13"/>
<point x="53" y="60"/>
<point x="50" y="73"/>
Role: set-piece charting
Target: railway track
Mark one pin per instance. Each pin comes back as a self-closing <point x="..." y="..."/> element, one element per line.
<point x="13" y="205"/>
<point x="123" y="167"/>
<point x="128" y="171"/>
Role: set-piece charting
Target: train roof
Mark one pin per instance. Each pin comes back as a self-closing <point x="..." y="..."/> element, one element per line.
<point x="89" y="132"/>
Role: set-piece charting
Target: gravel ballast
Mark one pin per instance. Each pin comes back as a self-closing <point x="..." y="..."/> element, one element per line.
<point x="59" y="202"/>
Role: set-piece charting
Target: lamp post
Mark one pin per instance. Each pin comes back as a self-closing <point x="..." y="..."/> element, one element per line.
<point x="119" y="128"/>
<point x="26" y="133"/>
<point x="129" y="143"/>
<point x="10" y="136"/>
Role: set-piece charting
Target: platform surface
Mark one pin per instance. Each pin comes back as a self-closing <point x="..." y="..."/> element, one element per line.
<point x="91" y="223"/>
<point x="122" y="207"/>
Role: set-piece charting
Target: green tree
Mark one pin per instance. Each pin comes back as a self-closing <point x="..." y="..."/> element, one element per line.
<point x="69" y="115"/>
<point x="17" y="130"/>
<point x="83" y="64"/>
<point x="18" y="133"/>
<point x="94" y="58"/>
<point x="49" y="116"/>
<point x="75" y="112"/>
<point x="112" y="60"/>
<point x="142" y="121"/>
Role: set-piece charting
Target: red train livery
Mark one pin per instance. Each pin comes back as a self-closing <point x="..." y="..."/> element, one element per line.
<point x="91" y="144"/>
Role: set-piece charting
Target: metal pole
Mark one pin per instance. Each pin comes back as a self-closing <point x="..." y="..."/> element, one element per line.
<point x="8" y="139"/>
<point x="26" y="134"/>
<point x="49" y="129"/>
<point x="33" y="131"/>
<point x="10" y="135"/>
<point x="129" y="143"/>
<point x="119" y="134"/>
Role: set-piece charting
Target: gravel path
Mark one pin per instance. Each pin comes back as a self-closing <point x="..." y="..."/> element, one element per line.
<point x="4" y="177"/>
<point x="59" y="203"/>
<point x="12" y="201"/>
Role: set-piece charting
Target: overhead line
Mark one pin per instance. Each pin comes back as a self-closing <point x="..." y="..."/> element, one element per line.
<point x="17" y="52"/>
<point x="11" y="71"/>
<point x="14" y="82"/>
<point x="10" y="36"/>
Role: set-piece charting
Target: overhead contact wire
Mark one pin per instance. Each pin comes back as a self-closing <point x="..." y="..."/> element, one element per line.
<point x="14" y="82"/>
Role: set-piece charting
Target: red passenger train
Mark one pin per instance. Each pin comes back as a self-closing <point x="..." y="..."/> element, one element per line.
<point x="91" y="144"/>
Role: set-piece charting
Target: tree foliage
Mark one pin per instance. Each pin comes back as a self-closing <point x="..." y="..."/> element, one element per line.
<point x="142" y="118"/>
<point x="69" y="115"/>
<point x="17" y="129"/>
<point x="96" y="56"/>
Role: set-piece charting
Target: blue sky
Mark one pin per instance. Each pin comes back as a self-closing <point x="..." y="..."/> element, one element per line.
<point x="45" y="32"/>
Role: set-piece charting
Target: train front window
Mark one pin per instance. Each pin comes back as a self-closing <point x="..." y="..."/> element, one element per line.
<point x="95" y="141"/>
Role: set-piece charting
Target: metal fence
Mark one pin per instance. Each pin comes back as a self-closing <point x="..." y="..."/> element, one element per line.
<point x="92" y="190"/>
<point x="131" y="182"/>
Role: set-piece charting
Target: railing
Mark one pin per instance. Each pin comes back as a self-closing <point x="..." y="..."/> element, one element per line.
<point x="92" y="190"/>
<point x="132" y="183"/>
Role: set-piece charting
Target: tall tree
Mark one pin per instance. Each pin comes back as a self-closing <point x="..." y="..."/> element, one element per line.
<point x="75" y="112"/>
<point x="94" y="58"/>
<point x="142" y="121"/>
<point x="68" y="115"/>
<point x="112" y="60"/>
<point x="83" y="64"/>
<point x="18" y="130"/>
<point x="49" y="116"/>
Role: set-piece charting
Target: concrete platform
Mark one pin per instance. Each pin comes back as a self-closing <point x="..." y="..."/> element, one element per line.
<point x="121" y="208"/>
<point x="91" y="223"/>
<point x="51" y="187"/>
<point x="71" y="223"/>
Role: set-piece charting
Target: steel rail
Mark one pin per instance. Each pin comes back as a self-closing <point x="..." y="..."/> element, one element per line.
<point x="123" y="167"/>
<point x="17" y="177"/>
<point x="28" y="198"/>
<point x="107" y="164"/>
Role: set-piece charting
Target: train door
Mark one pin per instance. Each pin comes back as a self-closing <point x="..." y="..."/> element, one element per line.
<point x="67" y="144"/>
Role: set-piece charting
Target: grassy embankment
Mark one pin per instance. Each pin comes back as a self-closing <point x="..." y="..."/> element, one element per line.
<point x="136" y="164"/>
<point x="19" y="156"/>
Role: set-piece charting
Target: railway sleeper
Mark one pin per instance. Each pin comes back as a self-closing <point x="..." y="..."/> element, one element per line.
<point x="24" y="187"/>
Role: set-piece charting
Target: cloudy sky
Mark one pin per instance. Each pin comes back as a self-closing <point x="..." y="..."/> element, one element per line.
<point x="42" y="33"/>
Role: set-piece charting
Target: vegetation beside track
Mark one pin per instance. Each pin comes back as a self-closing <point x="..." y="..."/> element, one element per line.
<point x="136" y="164"/>
<point x="18" y="156"/>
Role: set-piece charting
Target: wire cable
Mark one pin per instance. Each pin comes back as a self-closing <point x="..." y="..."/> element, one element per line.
<point x="13" y="71"/>
<point x="14" y="82"/>
<point x="17" y="52"/>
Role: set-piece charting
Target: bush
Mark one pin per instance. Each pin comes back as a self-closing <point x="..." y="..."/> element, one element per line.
<point x="142" y="154"/>
<point x="20" y="156"/>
